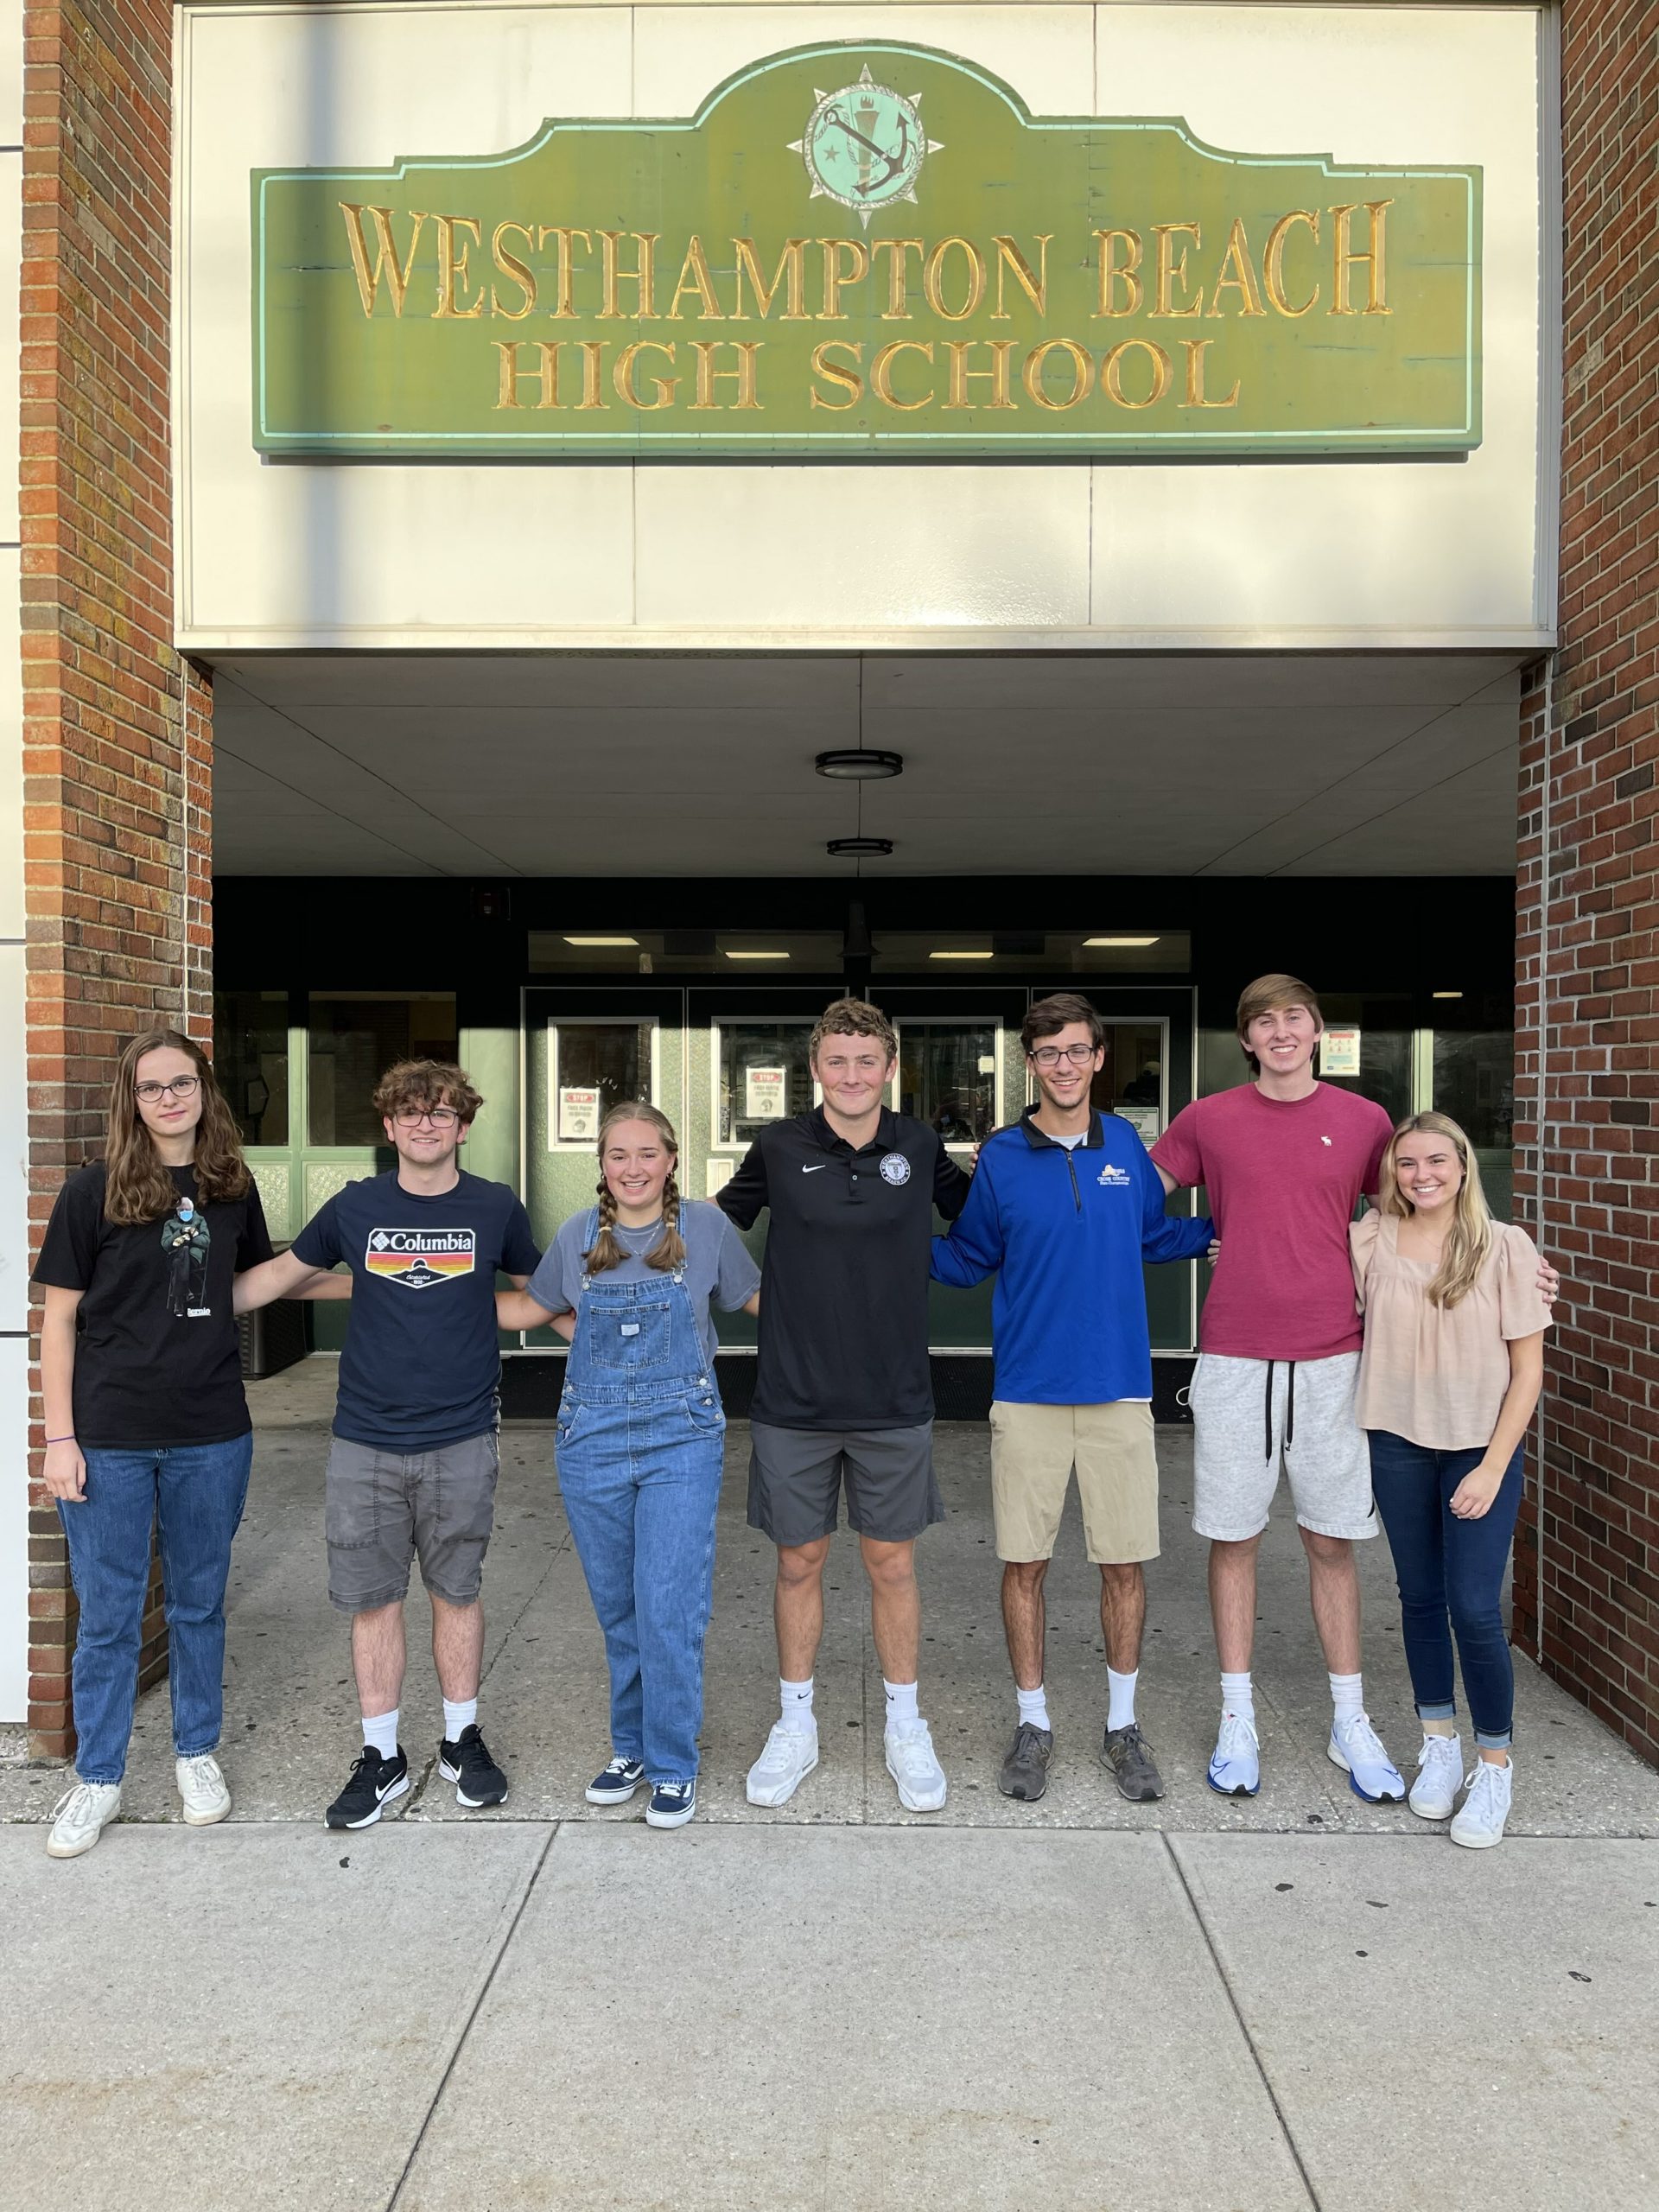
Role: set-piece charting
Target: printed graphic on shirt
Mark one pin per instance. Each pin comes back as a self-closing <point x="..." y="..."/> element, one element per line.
<point x="1109" y="1174"/>
<point x="895" y="1168"/>
<point x="418" y="1258"/>
<point x="184" y="1240"/>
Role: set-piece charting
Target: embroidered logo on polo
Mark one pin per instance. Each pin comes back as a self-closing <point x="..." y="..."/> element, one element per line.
<point x="418" y="1258"/>
<point x="895" y="1168"/>
<point x="1115" y="1176"/>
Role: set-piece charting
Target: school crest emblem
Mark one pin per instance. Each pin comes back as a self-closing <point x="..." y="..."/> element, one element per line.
<point x="895" y="1168"/>
<point x="864" y="146"/>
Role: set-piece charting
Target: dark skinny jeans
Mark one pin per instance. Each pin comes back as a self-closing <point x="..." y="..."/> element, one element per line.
<point x="1451" y="1578"/>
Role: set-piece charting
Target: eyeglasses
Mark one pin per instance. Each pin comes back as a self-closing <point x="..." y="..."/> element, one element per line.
<point x="1050" y="1056"/>
<point x="442" y="1117"/>
<point x="182" y="1086"/>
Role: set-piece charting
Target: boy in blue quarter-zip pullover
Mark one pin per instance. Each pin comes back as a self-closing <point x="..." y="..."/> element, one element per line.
<point x="1064" y="1209"/>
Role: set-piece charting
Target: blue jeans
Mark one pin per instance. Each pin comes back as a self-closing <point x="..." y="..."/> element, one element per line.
<point x="1451" y="1578"/>
<point x="196" y="1491"/>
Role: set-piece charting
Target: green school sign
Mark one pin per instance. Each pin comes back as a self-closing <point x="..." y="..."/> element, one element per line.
<point x="867" y="249"/>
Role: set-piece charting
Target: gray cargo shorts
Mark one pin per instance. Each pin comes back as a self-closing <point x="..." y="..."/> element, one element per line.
<point x="384" y="1508"/>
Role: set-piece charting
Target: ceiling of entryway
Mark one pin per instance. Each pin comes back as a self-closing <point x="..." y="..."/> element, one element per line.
<point x="1397" y="764"/>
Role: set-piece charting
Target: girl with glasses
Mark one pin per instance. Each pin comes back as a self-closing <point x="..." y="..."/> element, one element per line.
<point x="629" y="1284"/>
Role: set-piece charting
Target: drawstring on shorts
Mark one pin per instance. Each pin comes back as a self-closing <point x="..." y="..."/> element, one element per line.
<point x="1290" y="1406"/>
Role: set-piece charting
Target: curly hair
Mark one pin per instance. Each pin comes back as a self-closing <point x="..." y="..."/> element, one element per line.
<point x="669" y="1251"/>
<point x="138" y="1186"/>
<point x="853" y="1018"/>
<point x="424" y="1084"/>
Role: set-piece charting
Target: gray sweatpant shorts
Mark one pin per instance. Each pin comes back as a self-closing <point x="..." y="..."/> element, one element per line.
<point x="1255" y="1418"/>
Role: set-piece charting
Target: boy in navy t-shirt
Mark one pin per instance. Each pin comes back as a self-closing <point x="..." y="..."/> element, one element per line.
<point x="412" y="1468"/>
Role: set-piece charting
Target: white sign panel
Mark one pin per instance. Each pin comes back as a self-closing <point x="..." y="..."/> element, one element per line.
<point x="578" y="1116"/>
<point x="1339" y="1053"/>
<point x="1146" y="1120"/>
<point x="766" y="1091"/>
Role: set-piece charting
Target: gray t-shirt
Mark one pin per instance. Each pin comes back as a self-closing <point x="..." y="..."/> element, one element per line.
<point x="717" y="1263"/>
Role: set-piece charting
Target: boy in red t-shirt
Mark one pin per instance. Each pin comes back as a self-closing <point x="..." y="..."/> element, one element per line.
<point x="1286" y="1159"/>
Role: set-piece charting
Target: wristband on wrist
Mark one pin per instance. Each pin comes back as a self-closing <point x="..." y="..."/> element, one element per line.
<point x="60" y="1439"/>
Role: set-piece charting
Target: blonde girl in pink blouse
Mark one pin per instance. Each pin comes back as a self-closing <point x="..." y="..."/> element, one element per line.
<point x="1450" y="1373"/>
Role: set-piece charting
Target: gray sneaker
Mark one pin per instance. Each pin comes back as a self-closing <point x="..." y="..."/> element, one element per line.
<point x="1025" y="1771"/>
<point x="1128" y="1753"/>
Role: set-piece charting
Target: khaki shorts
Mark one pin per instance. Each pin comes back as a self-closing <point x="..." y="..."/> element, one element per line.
<point x="1033" y="1449"/>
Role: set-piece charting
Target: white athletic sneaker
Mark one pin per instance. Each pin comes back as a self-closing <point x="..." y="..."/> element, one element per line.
<point x="790" y="1757"/>
<point x="912" y="1763"/>
<point x="80" y="1816"/>
<point x="1234" y="1769"/>
<point x="1356" y="1748"/>
<point x="1481" y="1816"/>
<point x="1440" y="1777"/>
<point x="202" y="1788"/>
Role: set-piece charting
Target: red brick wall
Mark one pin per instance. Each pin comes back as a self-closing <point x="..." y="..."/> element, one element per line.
<point x="1587" y="1568"/>
<point x="117" y="728"/>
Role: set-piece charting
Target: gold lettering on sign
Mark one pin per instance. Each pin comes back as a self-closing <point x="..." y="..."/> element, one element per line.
<point x="933" y="284"/>
<point x="695" y="278"/>
<point x="962" y="375"/>
<point x="1374" y="258"/>
<point x="881" y="374"/>
<point x="897" y="307"/>
<point x="613" y="276"/>
<point x="1111" y="275"/>
<point x="386" y="264"/>
<point x="844" y="379"/>
<point x="452" y="268"/>
<point x="1083" y="373"/>
<point x="564" y="237"/>
<point x="510" y="265"/>
<point x="705" y="349"/>
<point x="622" y="377"/>
<point x="1273" y="266"/>
<point x="791" y="272"/>
<point x="1111" y="373"/>
<point x="1171" y="269"/>
<point x="835" y="278"/>
<point x="1237" y="274"/>
<point x="1010" y="262"/>
<point x="546" y="370"/>
<point x="1195" y="349"/>
<point x="591" y="351"/>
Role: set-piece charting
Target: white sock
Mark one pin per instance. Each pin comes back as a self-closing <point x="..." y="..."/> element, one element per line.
<point x="381" y="1733"/>
<point x="457" y="1716"/>
<point x="901" y="1701"/>
<point x="1237" y="1697"/>
<point x="1120" y="1713"/>
<point x="1033" y="1706"/>
<point x="796" y="1699"/>
<point x="1347" y="1696"/>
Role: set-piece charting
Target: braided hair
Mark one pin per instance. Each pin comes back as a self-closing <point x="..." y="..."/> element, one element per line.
<point x="669" y="1251"/>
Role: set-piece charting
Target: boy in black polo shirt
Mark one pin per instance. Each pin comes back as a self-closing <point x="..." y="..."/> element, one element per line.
<point x="843" y="1394"/>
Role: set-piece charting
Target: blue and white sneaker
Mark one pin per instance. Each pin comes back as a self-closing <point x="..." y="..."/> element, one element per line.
<point x="1356" y="1748"/>
<point x="1236" y="1762"/>
<point x="673" y="1804"/>
<point x="618" y="1782"/>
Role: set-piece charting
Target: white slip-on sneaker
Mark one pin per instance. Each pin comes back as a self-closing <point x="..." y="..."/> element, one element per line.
<point x="203" y="1788"/>
<point x="80" y="1816"/>
<point x="1486" y="1808"/>
<point x="912" y="1763"/>
<point x="790" y="1757"/>
<point x="1440" y="1777"/>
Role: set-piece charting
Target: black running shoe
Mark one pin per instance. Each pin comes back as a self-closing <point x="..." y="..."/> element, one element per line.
<point x="477" y="1778"/>
<point x="375" y="1781"/>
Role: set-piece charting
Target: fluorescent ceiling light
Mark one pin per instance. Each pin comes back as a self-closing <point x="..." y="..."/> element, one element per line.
<point x="1091" y="943"/>
<point x="757" y="956"/>
<point x="961" y="956"/>
<point x="1448" y="994"/>
<point x="594" y="941"/>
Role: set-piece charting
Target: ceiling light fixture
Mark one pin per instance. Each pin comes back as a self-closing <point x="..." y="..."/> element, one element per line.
<point x="1448" y="994"/>
<point x="842" y="848"/>
<point x="1105" y="944"/>
<point x="860" y="764"/>
<point x="961" y="956"/>
<point x="593" y="942"/>
<point x="757" y="956"/>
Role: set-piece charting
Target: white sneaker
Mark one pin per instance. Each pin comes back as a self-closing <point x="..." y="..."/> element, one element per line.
<point x="913" y="1765"/>
<point x="1440" y="1777"/>
<point x="80" y="1816"/>
<point x="202" y="1788"/>
<point x="790" y="1757"/>
<point x="1481" y="1816"/>
<point x="1356" y="1748"/>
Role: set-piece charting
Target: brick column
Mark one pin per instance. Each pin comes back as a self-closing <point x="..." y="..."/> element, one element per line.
<point x="1587" y="1124"/>
<point x="116" y="727"/>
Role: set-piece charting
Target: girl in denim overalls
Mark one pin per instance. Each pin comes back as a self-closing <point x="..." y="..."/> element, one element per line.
<point x="641" y="1438"/>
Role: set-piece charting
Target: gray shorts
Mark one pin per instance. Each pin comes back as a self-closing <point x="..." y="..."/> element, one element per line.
<point x="1254" y="1420"/>
<point x="382" y="1508"/>
<point x="795" y="1477"/>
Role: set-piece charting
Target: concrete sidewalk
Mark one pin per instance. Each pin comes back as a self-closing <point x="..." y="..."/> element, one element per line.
<point x="1299" y="2000"/>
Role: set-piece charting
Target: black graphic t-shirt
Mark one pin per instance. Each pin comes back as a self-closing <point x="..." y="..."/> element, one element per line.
<point x="157" y="1354"/>
<point x="421" y="1367"/>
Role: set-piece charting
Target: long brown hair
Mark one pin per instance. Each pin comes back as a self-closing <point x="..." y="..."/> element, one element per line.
<point x="669" y="1251"/>
<point x="1468" y="1239"/>
<point x="138" y="1186"/>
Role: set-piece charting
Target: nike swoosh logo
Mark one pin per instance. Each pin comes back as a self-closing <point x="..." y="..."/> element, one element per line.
<point x="818" y="1170"/>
